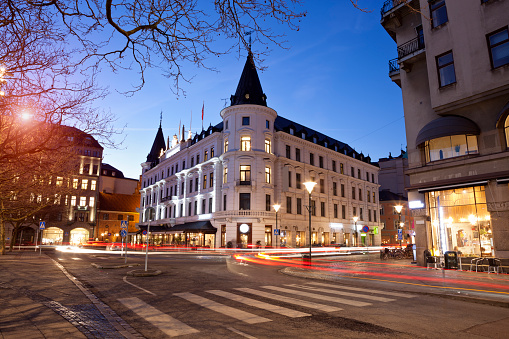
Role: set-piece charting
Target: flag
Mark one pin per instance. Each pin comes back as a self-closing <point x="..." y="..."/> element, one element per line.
<point x="202" y="111"/>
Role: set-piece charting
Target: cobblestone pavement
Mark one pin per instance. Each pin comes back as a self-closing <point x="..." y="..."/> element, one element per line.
<point x="29" y="281"/>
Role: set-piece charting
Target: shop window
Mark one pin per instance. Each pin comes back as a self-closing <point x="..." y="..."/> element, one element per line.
<point x="445" y="68"/>
<point x="450" y="147"/>
<point x="438" y="13"/>
<point x="499" y="48"/>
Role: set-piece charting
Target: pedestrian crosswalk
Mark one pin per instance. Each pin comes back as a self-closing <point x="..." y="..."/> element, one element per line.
<point x="232" y="303"/>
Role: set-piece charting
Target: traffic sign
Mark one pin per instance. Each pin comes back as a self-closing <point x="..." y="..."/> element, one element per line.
<point x="109" y="234"/>
<point x="276" y="232"/>
<point x="124" y="223"/>
<point x="42" y="225"/>
<point x="123" y="233"/>
<point x="365" y="229"/>
<point x="400" y="234"/>
<point x="144" y="232"/>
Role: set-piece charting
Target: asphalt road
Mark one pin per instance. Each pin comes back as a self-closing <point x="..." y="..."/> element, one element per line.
<point x="215" y="296"/>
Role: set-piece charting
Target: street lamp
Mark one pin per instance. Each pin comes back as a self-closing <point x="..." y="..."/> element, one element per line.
<point x="276" y="208"/>
<point x="309" y="187"/>
<point x="398" y="209"/>
<point x="355" y="229"/>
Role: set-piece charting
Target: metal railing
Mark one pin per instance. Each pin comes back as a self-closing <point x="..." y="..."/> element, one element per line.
<point x="410" y="47"/>
<point x="390" y="4"/>
<point x="393" y="65"/>
<point x="245" y="213"/>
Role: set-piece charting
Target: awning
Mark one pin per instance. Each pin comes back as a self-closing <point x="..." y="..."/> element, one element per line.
<point x="447" y="126"/>
<point x="448" y="187"/>
<point x="203" y="226"/>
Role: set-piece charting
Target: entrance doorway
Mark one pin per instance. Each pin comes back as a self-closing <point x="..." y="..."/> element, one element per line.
<point x="79" y="236"/>
<point x="52" y="236"/>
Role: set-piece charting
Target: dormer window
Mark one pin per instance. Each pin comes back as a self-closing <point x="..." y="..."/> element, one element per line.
<point x="314" y="140"/>
<point x="292" y="131"/>
<point x="336" y="148"/>
<point x="303" y="135"/>
<point x="325" y="144"/>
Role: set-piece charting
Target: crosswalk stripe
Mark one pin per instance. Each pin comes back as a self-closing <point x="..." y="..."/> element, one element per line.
<point x="289" y="300"/>
<point x="395" y="294"/>
<point x="220" y="308"/>
<point x="348" y="294"/>
<point x="260" y="304"/>
<point x="318" y="296"/>
<point x="170" y="326"/>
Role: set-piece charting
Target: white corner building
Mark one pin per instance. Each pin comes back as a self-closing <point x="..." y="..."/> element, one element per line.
<point x="219" y="188"/>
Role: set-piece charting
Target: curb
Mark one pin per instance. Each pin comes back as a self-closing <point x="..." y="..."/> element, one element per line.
<point x="142" y="273"/>
<point x="113" y="266"/>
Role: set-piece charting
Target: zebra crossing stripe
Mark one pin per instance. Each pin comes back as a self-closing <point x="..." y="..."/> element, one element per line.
<point x="319" y="296"/>
<point x="220" y="308"/>
<point x="348" y="294"/>
<point x="260" y="304"/>
<point x="289" y="300"/>
<point x="168" y="325"/>
<point x="394" y="294"/>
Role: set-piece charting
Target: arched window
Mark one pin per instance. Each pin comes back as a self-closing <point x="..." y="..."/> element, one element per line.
<point x="450" y="147"/>
<point x="506" y="130"/>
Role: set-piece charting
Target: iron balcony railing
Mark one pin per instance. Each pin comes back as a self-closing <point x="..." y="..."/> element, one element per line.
<point x="410" y="47"/>
<point x="393" y="65"/>
<point x="390" y="4"/>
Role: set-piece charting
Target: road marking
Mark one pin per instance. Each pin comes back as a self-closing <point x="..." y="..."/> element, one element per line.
<point x="220" y="308"/>
<point x="245" y="335"/>
<point x="395" y="294"/>
<point x="348" y="294"/>
<point x="162" y="321"/>
<point x="260" y="304"/>
<point x="289" y="300"/>
<point x="141" y="288"/>
<point x="319" y="296"/>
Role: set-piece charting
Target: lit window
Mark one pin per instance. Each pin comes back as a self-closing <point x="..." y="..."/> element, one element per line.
<point x="225" y="175"/>
<point x="245" y="173"/>
<point x="212" y="152"/>
<point x="91" y="202"/>
<point x="226" y="146"/>
<point x="84" y="184"/>
<point x="450" y="147"/>
<point x="204" y="181"/>
<point x="60" y="181"/>
<point x="83" y="201"/>
<point x="438" y="12"/>
<point x="75" y="183"/>
<point x="267" y="145"/>
<point x="267" y="175"/>
<point x="93" y="185"/>
<point x="499" y="48"/>
<point x="445" y="67"/>
<point x="206" y="156"/>
<point x="245" y="143"/>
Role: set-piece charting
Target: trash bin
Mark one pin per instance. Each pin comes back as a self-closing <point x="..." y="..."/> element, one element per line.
<point x="451" y="259"/>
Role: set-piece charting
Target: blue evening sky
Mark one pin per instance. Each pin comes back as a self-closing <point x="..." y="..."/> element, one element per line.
<point x="333" y="78"/>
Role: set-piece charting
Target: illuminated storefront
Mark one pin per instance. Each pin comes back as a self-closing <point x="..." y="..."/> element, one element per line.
<point x="460" y="221"/>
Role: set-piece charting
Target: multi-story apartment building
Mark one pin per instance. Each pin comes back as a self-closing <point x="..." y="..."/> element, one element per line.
<point x="453" y="69"/>
<point x="119" y="197"/>
<point x="218" y="188"/>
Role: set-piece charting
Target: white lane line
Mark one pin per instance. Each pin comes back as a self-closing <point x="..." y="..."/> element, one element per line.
<point x="319" y="296"/>
<point x="260" y="304"/>
<point x="394" y="294"/>
<point x="348" y="294"/>
<point x="141" y="288"/>
<point x="220" y="308"/>
<point x="289" y="300"/>
<point x="168" y="325"/>
<point x="245" y="335"/>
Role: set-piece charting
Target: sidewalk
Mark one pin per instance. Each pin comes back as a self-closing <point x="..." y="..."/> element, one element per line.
<point x="39" y="301"/>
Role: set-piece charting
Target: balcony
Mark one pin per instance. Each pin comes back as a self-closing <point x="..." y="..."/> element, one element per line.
<point x="166" y="198"/>
<point x="245" y="213"/>
<point x="394" y="71"/>
<point x="389" y="5"/>
<point x="243" y="183"/>
<point x="393" y="11"/>
<point x="410" y="52"/>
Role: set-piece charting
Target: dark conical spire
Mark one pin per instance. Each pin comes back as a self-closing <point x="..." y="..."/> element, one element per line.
<point x="157" y="146"/>
<point x="249" y="89"/>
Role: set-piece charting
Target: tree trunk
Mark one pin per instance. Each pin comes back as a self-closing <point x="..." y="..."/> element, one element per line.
<point x="2" y="236"/>
<point x="14" y="238"/>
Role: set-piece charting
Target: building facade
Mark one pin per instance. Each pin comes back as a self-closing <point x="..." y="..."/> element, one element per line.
<point x="218" y="188"/>
<point x="453" y="69"/>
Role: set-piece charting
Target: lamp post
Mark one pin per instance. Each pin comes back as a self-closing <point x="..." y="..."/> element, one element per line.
<point x="398" y="209"/>
<point x="149" y="213"/>
<point x="276" y="208"/>
<point x="309" y="187"/>
<point x="355" y="229"/>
